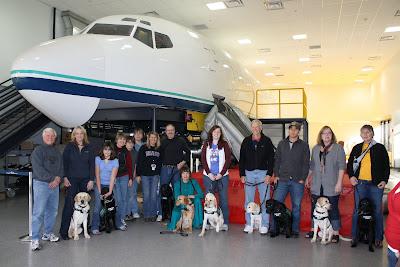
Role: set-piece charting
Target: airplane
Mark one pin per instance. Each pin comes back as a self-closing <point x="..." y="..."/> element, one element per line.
<point x="128" y="61"/>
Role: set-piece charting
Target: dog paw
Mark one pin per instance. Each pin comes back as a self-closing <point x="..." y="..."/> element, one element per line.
<point x="76" y="238"/>
<point x="250" y="232"/>
<point x="87" y="236"/>
<point x="201" y="234"/>
<point x="313" y="240"/>
<point x="217" y="230"/>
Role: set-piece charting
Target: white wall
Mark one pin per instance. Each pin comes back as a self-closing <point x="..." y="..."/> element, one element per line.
<point x="24" y="24"/>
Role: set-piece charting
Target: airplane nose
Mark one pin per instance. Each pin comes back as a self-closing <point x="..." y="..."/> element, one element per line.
<point x="57" y="78"/>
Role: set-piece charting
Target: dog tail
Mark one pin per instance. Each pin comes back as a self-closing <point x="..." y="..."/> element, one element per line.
<point x="165" y="224"/>
<point x="344" y="239"/>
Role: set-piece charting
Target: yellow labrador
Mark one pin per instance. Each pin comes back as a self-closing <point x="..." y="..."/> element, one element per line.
<point x="80" y="216"/>
<point x="186" y="219"/>
<point x="212" y="214"/>
<point x="255" y="215"/>
<point x="321" y="220"/>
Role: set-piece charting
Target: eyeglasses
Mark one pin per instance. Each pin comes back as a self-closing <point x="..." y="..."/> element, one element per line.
<point x="327" y="133"/>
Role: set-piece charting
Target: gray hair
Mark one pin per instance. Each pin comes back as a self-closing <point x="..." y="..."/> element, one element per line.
<point x="48" y="130"/>
<point x="257" y="121"/>
<point x="368" y="128"/>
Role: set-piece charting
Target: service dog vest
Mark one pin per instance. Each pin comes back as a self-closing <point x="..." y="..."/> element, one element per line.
<point x="123" y="167"/>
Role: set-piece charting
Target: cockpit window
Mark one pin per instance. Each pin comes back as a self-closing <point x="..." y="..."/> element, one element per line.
<point x="111" y="29"/>
<point x="144" y="36"/>
<point x="145" y="22"/>
<point x="162" y="40"/>
<point x="129" y="19"/>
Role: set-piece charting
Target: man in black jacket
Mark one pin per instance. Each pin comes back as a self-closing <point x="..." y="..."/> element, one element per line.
<point x="256" y="167"/>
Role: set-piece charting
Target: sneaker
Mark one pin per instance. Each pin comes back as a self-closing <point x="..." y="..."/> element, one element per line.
<point x="136" y="216"/>
<point x="65" y="236"/>
<point x="270" y="232"/>
<point x="95" y="232"/>
<point x="50" y="237"/>
<point x="224" y="227"/>
<point x="159" y="218"/>
<point x="264" y="230"/>
<point x="207" y="227"/>
<point x="295" y="234"/>
<point x="124" y="223"/>
<point x="122" y="228"/>
<point x="35" y="245"/>
<point x="247" y="228"/>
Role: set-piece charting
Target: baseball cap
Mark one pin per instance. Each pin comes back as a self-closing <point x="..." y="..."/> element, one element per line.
<point x="295" y="124"/>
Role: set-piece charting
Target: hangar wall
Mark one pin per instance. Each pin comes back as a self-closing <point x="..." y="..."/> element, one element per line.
<point x="29" y="23"/>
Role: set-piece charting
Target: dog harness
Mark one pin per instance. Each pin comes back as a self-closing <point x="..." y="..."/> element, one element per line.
<point x="320" y="218"/>
<point x="218" y="211"/>
<point x="257" y="213"/>
<point x="82" y="211"/>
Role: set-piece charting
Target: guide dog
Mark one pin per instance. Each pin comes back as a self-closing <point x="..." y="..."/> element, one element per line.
<point x="321" y="220"/>
<point x="255" y="215"/>
<point x="80" y="216"/>
<point x="365" y="224"/>
<point x="282" y="217"/>
<point x="212" y="214"/>
<point x="107" y="220"/>
<point x="186" y="220"/>
<point x="167" y="201"/>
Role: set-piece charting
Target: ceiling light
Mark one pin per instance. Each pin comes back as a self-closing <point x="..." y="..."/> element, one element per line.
<point x="269" y="74"/>
<point x="393" y="29"/>
<point x="315" y="56"/>
<point x="299" y="36"/>
<point x="366" y="69"/>
<point x="358" y="81"/>
<point x="228" y="55"/>
<point x="387" y="38"/>
<point x="374" y="57"/>
<point x="273" y="4"/>
<point x="233" y="3"/>
<point x="308" y="82"/>
<point x="240" y="77"/>
<point x="315" y="46"/>
<point x="216" y="6"/>
<point x="264" y="50"/>
<point x="193" y="34"/>
<point x="277" y="83"/>
<point x="225" y="66"/>
<point x="261" y="62"/>
<point x="244" y="41"/>
<point x="246" y="71"/>
<point x="307" y="72"/>
<point x="304" y="59"/>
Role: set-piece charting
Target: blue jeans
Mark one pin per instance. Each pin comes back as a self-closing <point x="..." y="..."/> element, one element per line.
<point x="120" y="193"/>
<point x="334" y="215"/>
<point x="375" y="194"/>
<point x="392" y="259"/>
<point x="222" y="189"/>
<point x="45" y="205"/>
<point x="296" y="191"/>
<point x="132" y="205"/>
<point x="255" y="177"/>
<point x="77" y="185"/>
<point x="97" y="207"/>
<point x="149" y="185"/>
<point x="170" y="175"/>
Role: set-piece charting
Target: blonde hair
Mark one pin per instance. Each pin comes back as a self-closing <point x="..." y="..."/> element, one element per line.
<point x="319" y="138"/>
<point x="148" y="140"/>
<point x="120" y="135"/>
<point x="73" y="135"/>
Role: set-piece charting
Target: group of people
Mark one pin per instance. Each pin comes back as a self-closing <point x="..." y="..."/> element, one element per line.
<point x="129" y="162"/>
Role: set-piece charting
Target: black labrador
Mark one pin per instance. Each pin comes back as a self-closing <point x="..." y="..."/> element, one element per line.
<point x="365" y="224"/>
<point x="167" y="201"/>
<point x="107" y="215"/>
<point x="282" y="217"/>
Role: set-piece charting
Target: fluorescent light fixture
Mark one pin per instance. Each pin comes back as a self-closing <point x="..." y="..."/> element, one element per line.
<point x="216" y="6"/>
<point x="225" y="66"/>
<point x="269" y="74"/>
<point x="393" y="29"/>
<point x="277" y="83"/>
<point x="228" y="55"/>
<point x="300" y="36"/>
<point x="307" y="72"/>
<point x="240" y="77"/>
<point x="359" y="81"/>
<point x="258" y="82"/>
<point x="366" y="69"/>
<point x="244" y="41"/>
<point x="193" y="34"/>
<point x="246" y="71"/>
<point x="261" y="62"/>
<point x="304" y="59"/>
<point x="308" y="82"/>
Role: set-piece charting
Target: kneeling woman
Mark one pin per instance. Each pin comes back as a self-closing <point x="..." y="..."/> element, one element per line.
<point x="187" y="187"/>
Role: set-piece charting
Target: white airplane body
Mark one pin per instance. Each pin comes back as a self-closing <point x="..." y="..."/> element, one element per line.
<point x="122" y="61"/>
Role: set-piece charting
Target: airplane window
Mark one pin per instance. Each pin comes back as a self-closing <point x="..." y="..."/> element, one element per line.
<point x="144" y="36"/>
<point x="162" y="40"/>
<point x="111" y="29"/>
<point x="129" y="19"/>
<point x="145" y="22"/>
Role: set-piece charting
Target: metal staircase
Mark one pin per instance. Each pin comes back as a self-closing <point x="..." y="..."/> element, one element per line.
<point x="18" y="118"/>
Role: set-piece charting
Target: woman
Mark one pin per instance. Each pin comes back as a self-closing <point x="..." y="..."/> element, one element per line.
<point x="106" y="170"/>
<point x="327" y="166"/>
<point x="369" y="175"/>
<point x="78" y="159"/>
<point x="148" y="172"/>
<point x="124" y="177"/>
<point x="216" y="159"/>
<point x="132" y="208"/>
<point x="392" y="231"/>
<point x="187" y="187"/>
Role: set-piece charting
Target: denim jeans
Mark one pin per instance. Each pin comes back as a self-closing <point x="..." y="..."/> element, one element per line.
<point x="375" y="194"/>
<point x="77" y="185"/>
<point x="296" y="191"/>
<point x="392" y="259"/>
<point x="167" y="174"/>
<point x="45" y="205"/>
<point x="120" y="193"/>
<point x="149" y="185"/>
<point x="97" y="207"/>
<point x="334" y="215"/>
<point x="132" y="205"/>
<point x="255" y="177"/>
<point x="221" y="187"/>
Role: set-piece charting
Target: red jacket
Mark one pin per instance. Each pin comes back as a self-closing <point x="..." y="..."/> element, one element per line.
<point x="392" y="231"/>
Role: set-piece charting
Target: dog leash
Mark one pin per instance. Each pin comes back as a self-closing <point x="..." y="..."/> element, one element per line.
<point x="219" y="186"/>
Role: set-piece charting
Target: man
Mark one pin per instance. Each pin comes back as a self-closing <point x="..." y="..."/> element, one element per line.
<point x="48" y="169"/>
<point x="292" y="159"/>
<point x="256" y="167"/>
<point x="175" y="154"/>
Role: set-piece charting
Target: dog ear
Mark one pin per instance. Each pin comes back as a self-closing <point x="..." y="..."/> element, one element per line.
<point x="88" y="197"/>
<point x="256" y="208"/>
<point x="76" y="198"/>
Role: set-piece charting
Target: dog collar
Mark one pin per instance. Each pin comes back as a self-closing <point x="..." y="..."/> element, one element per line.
<point x="320" y="218"/>
<point x="277" y="214"/>
<point x="83" y="211"/>
<point x="218" y="211"/>
<point x="367" y="217"/>
<point x="256" y="213"/>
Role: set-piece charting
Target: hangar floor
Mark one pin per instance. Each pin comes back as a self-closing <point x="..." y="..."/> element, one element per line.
<point x="142" y="244"/>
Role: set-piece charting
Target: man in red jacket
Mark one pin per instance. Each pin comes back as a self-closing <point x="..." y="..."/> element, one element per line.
<point x="392" y="231"/>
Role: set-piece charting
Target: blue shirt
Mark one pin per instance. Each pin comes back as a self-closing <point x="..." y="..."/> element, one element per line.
<point x="106" y="169"/>
<point x="137" y="147"/>
<point x="214" y="159"/>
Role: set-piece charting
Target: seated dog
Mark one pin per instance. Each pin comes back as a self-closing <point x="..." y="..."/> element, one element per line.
<point x="167" y="201"/>
<point x="187" y="217"/>
<point x="282" y="217"/>
<point x="365" y="223"/>
<point x="255" y="215"/>
<point x="80" y="216"/>
<point x="321" y="220"/>
<point x="212" y="214"/>
<point x="107" y="218"/>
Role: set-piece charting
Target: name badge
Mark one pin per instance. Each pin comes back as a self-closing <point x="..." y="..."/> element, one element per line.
<point x="153" y="167"/>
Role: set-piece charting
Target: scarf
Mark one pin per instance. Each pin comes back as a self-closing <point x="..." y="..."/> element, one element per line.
<point x="324" y="153"/>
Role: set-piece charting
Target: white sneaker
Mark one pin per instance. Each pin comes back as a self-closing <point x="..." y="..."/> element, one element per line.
<point x="247" y="228"/>
<point x="124" y="223"/>
<point x="35" y="245"/>
<point x="50" y="237"/>
<point x="159" y="218"/>
<point x="136" y="216"/>
<point x="264" y="230"/>
<point x="224" y="227"/>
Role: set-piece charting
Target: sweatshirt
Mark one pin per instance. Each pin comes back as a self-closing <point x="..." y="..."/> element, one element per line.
<point x="78" y="164"/>
<point x="147" y="157"/>
<point x="46" y="163"/>
<point x="174" y="151"/>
